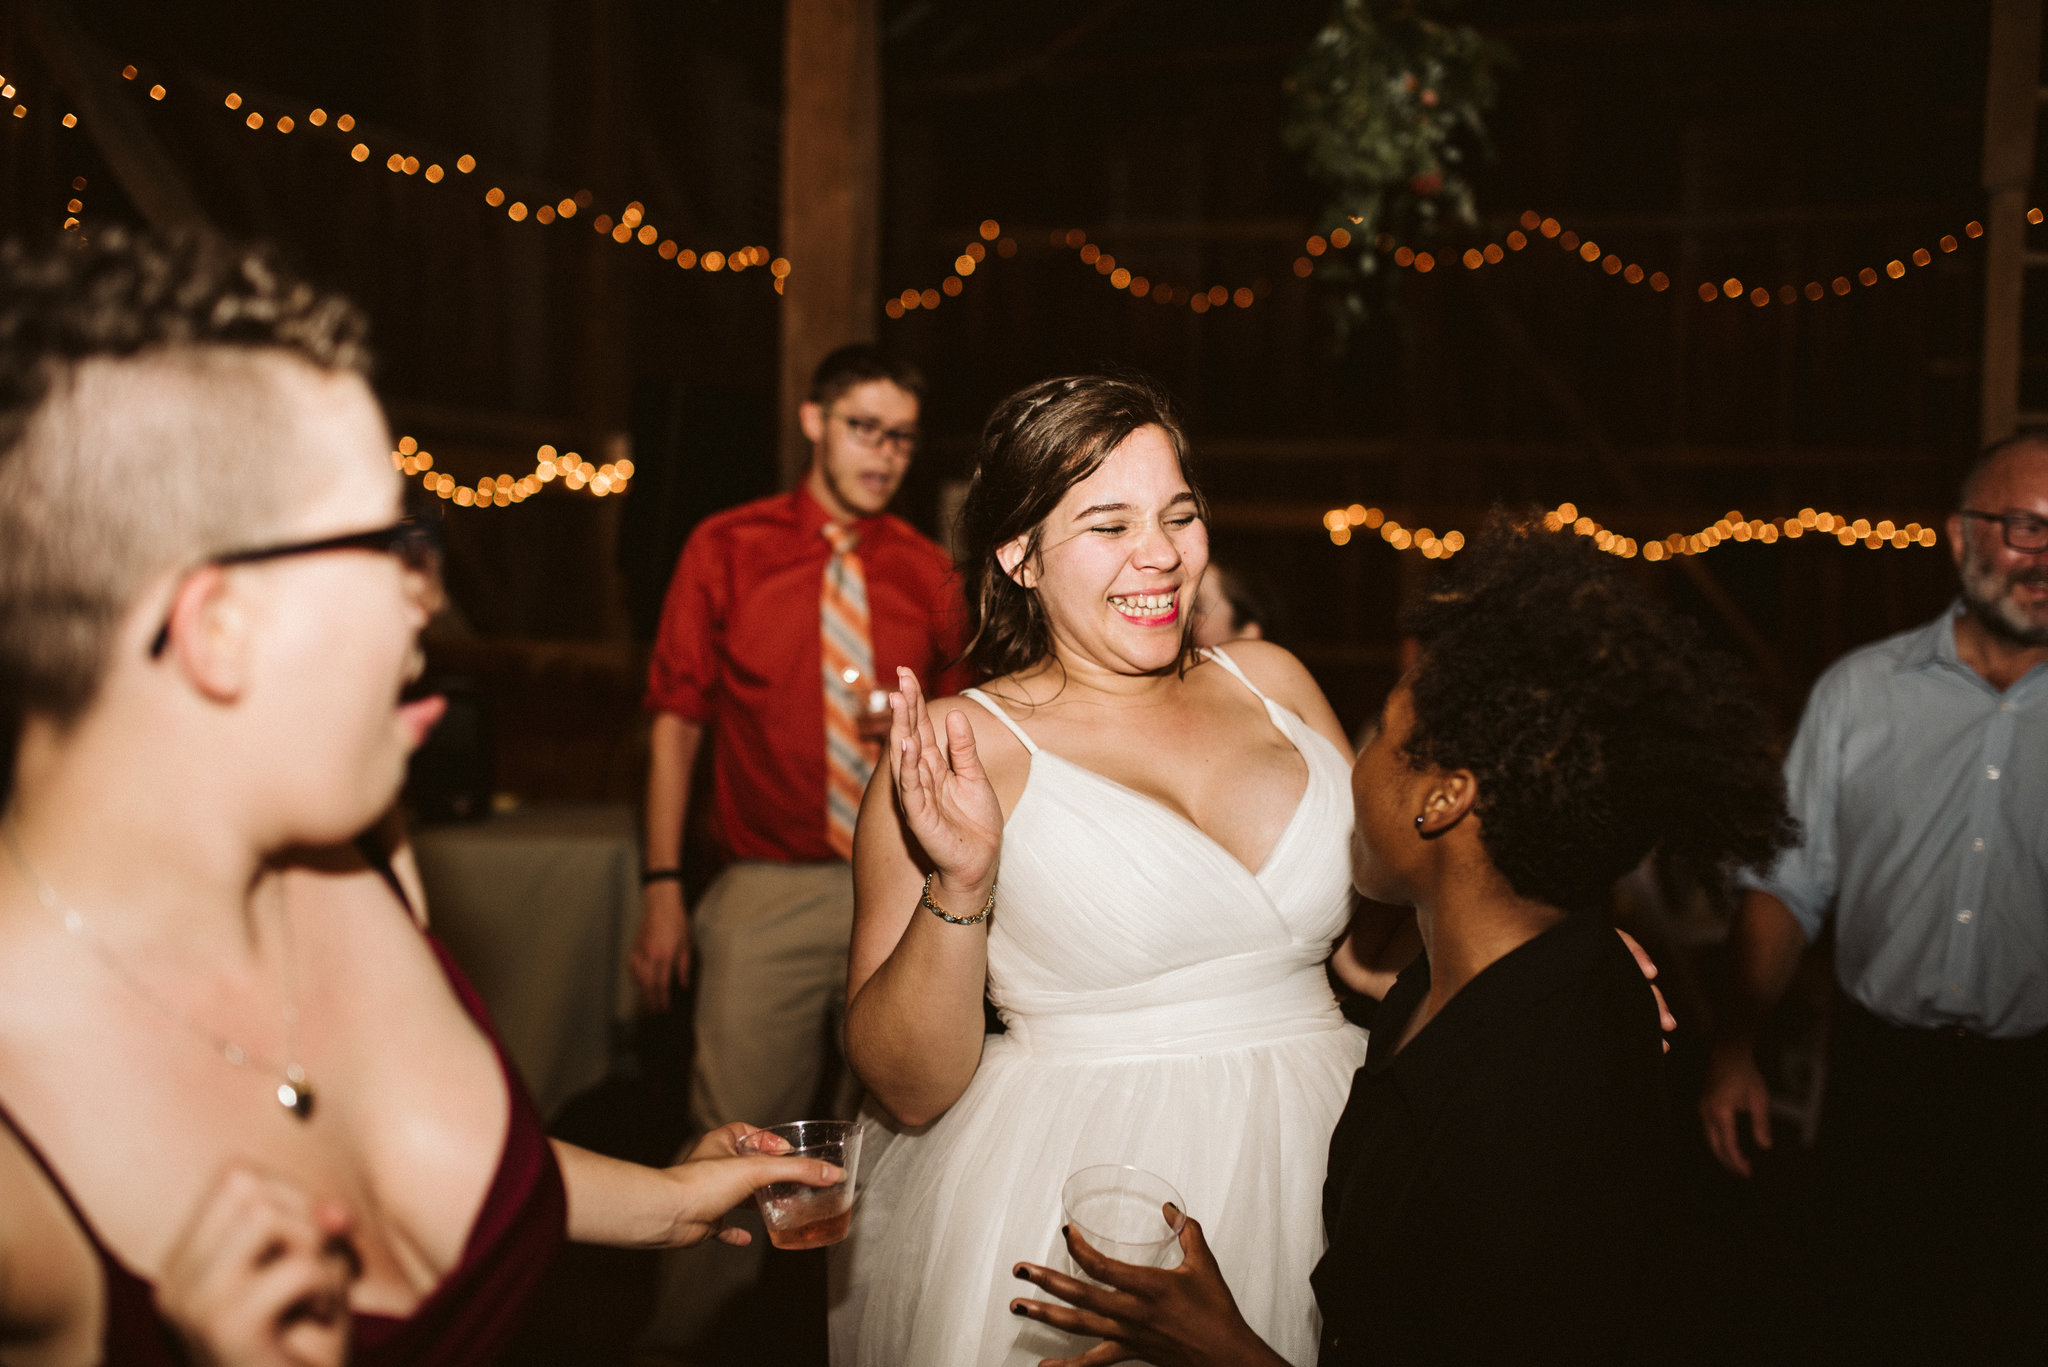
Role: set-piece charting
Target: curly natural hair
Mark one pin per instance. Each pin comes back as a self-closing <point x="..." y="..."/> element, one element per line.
<point x="97" y="496"/>
<point x="1037" y="444"/>
<point x="1598" y="724"/>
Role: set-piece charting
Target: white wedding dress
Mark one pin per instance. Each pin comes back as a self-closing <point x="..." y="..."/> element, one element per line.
<point x="1166" y="1007"/>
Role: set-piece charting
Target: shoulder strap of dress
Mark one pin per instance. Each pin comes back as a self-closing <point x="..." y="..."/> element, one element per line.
<point x="990" y="703"/>
<point x="375" y="855"/>
<point x="1216" y="653"/>
<point x="35" y="1155"/>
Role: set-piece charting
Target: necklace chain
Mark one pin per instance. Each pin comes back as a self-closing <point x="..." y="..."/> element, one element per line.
<point x="294" y="1090"/>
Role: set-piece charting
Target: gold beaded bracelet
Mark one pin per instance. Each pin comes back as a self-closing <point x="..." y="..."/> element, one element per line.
<point x="925" y="899"/>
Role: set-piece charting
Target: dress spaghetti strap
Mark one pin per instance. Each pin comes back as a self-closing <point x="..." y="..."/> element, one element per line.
<point x="990" y="703"/>
<point x="131" y="1329"/>
<point x="35" y="1155"/>
<point x="1216" y="653"/>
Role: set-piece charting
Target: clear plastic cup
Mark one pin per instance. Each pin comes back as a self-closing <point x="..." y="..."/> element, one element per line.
<point x="798" y="1216"/>
<point x="1122" y="1212"/>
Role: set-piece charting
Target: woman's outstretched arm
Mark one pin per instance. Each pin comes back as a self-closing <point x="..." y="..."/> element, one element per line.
<point x="914" y="981"/>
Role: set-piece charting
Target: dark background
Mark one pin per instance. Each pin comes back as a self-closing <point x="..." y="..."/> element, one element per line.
<point x="1774" y="143"/>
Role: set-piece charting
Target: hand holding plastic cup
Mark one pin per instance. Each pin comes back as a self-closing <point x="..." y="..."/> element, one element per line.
<point x="1123" y="1213"/>
<point x="795" y="1215"/>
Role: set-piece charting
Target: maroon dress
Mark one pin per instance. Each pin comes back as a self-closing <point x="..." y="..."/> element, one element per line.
<point x="467" y="1320"/>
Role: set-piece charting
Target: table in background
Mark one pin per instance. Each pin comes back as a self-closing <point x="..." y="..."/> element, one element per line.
<point x="538" y="906"/>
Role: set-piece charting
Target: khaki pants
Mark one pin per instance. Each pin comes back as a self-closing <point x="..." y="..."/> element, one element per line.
<point x="770" y="970"/>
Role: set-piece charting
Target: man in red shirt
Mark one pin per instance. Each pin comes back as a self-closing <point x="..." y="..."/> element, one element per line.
<point x="785" y="622"/>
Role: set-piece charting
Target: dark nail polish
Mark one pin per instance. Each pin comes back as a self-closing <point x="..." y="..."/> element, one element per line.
<point x="1063" y="1232"/>
<point x="1019" y="1274"/>
<point x="1018" y="1311"/>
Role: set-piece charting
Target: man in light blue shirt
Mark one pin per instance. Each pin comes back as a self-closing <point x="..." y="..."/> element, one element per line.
<point x="1920" y="776"/>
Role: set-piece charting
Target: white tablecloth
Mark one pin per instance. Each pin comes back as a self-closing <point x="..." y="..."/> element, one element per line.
<point x="538" y="907"/>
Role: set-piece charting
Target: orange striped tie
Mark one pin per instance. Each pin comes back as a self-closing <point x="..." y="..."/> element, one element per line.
<point x="849" y="655"/>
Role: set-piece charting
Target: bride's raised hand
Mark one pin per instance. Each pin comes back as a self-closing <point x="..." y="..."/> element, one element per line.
<point x="944" y="794"/>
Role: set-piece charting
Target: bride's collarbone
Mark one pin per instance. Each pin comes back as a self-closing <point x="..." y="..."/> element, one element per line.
<point x="1221" y="775"/>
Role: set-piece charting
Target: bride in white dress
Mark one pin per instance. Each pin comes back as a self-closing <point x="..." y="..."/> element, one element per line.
<point x="1170" y="830"/>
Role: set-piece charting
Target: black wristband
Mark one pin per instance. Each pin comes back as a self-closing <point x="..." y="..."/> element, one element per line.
<point x="651" y="876"/>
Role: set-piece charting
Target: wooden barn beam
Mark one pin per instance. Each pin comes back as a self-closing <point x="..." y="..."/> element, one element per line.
<point x="1565" y="398"/>
<point x="91" y="77"/>
<point x="2012" y="92"/>
<point x="831" y="194"/>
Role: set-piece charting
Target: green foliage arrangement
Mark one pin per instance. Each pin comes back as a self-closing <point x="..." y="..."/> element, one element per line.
<point x="1387" y="106"/>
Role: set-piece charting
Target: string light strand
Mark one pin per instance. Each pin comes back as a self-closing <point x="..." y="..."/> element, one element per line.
<point x="629" y="227"/>
<point x="964" y="265"/>
<point x="1341" y="524"/>
<point x="1728" y="289"/>
<point x="502" y="491"/>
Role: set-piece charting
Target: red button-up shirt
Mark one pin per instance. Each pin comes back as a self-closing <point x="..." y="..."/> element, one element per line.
<point x="738" y="652"/>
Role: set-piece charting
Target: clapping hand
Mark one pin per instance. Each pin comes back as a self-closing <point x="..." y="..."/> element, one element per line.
<point x="945" y="796"/>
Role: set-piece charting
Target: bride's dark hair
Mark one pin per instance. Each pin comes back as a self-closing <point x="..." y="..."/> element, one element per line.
<point x="1039" y="443"/>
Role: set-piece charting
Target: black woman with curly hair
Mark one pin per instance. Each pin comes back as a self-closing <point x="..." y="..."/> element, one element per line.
<point x="1495" y="1179"/>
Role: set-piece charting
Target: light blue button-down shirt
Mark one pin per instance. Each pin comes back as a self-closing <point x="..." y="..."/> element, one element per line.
<point x="1923" y="793"/>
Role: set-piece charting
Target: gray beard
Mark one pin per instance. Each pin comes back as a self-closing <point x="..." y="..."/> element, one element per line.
<point x="1984" y="596"/>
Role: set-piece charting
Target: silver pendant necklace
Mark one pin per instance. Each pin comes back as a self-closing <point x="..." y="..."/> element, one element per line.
<point x="294" y="1089"/>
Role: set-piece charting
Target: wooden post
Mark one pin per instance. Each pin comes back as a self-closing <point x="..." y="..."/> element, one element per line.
<point x="2011" y="98"/>
<point x="831" y="195"/>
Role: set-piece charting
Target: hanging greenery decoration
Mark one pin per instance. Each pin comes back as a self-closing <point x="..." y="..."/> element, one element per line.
<point x="1387" y="107"/>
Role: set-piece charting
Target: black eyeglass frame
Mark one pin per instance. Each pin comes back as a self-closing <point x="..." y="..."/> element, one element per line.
<point x="412" y="540"/>
<point x="2005" y="523"/>
<point x="870" y="435"/>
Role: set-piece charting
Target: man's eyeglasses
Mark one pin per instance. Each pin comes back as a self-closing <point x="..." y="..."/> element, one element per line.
<point x="2023" y="531"/>
<point x="867" y="433"/>
<point x="416" y="544"/>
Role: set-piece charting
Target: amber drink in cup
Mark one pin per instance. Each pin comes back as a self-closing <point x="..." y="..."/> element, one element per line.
<point x="798" y="1216"/>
